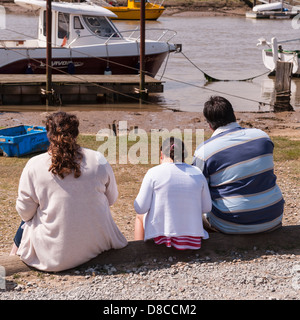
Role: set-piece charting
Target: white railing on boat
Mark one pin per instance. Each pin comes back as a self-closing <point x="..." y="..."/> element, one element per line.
<point x="152" y="34"/>
<point x="163" y="33"/>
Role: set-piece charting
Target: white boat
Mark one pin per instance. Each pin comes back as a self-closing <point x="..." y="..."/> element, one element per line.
<point x="275" y="52"/>
<point x="273" y="10"/>
<point x="269" y="6"/>
<point x="84" y="41"/>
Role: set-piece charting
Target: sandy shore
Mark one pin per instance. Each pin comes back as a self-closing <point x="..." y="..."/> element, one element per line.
<point x="283" y="124"/>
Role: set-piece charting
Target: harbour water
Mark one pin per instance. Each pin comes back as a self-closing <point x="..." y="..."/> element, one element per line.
<point x="223" y="47"/>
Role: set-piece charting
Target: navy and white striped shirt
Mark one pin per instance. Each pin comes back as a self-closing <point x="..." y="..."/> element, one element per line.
<point x="238" y="165"/>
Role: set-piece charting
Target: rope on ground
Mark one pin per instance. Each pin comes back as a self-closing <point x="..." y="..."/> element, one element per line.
<point x="212" y="79"/>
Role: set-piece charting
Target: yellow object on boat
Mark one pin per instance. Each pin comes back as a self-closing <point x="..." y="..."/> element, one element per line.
<point x="132" y="11"/>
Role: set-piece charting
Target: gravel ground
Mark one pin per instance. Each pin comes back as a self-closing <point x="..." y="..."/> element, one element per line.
<point x="255" y="275"/>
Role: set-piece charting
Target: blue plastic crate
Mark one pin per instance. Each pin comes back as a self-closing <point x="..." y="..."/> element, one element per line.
<point x="21" y="140"/>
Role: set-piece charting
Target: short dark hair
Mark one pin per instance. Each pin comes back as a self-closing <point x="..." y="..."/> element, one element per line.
<point x="174" y="148"/>
<point x="218" y="112"/>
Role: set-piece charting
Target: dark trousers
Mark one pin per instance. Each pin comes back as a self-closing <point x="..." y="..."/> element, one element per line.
<point x="18" y="236"/>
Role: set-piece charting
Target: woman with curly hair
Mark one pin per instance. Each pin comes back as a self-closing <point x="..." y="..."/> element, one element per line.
<point x="64" y="200"/>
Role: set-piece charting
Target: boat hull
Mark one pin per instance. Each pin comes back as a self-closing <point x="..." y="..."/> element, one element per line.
<point x="124" y="13"/>
<point x="86" y="65"/>
<point x="268" y="7"/>
<point x="285" y="56"/>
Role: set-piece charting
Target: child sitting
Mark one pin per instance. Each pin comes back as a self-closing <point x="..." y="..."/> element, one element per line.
<point x="171" y="200"/>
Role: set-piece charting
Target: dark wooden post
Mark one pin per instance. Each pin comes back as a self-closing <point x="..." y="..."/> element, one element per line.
<point x="142" y="50"/>
<point x="283" y="86"/>
<point x="49" y="53"/>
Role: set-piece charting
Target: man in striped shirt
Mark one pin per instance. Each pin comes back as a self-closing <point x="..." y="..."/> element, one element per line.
<point x="238" y="165"/>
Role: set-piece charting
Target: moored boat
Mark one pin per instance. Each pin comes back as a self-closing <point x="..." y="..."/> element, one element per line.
<point x="272" y="6"/>
<point x="275" y="52"/>
<point x="273" y="10"/>
<point x="84" y="41"/>
<point x="132" y="11"/>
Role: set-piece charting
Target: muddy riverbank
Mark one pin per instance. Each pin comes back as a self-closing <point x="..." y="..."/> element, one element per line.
<point x="173" y="7"/>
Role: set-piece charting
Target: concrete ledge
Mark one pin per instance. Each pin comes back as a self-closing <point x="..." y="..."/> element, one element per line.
<point x="286" y="238"/>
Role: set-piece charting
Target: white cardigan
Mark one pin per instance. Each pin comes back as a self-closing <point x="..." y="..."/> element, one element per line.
<point x="68" y="221"/>
<point x="173" y="196"/>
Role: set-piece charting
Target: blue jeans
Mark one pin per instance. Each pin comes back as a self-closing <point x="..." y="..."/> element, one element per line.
<point x="18" y="236"/>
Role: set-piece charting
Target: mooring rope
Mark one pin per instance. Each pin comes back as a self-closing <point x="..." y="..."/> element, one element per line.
<point x="221" y="92"/>
<point x="212" y="79"/>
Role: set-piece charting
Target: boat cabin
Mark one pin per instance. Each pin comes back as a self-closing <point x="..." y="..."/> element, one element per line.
<point x="67" y="28"/>
<point x="73" y="25"/>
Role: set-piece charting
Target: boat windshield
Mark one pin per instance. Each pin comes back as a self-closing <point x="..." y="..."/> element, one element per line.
<point x="63" y="25"/>
<point x="100" y="26"/>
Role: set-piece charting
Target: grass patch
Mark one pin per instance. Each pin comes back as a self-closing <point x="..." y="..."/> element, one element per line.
<point x="286" y="149"/>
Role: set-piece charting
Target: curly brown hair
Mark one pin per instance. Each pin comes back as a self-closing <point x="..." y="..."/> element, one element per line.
<point x="62" y="132"/>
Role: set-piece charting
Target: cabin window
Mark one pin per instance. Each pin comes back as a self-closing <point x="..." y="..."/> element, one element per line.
<point x="100" y="26"/>
<point x="77" y="23"/>
<point x="44" y="24"/>
<point x="63" y="25"/>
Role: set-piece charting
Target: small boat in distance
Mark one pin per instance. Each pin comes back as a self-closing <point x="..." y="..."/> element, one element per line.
<point x="270" y="6"/>
<point x="273" y="10"/>
<point x="84" y="41"/>
<point x="132" y="12"/>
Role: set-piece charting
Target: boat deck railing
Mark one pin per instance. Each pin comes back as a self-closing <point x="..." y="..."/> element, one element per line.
<point x="153" y="34"/>
<point x="158" y="34"/>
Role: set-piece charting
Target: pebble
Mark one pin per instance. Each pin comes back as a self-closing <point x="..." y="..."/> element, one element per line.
<point x="269" y="276"/>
